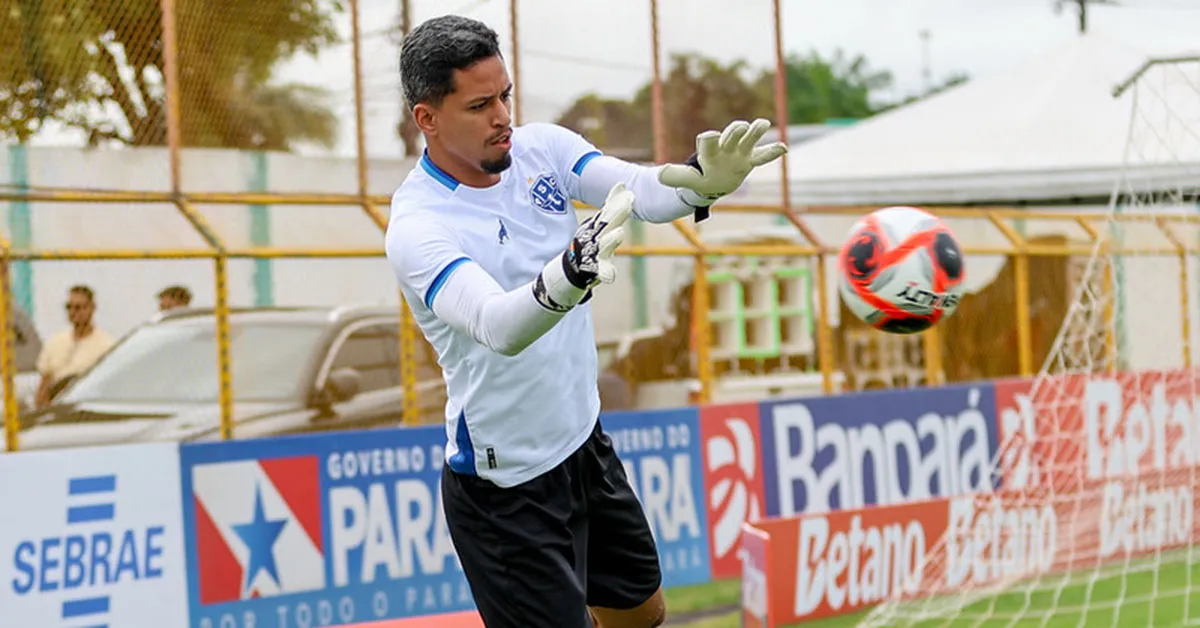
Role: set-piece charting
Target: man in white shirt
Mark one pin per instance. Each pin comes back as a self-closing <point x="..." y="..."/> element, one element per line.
<point x="497" y="270"/>
<point x="73" y="350"/>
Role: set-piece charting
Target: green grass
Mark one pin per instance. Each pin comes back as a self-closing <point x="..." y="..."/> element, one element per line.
<point x="702" y="597"/>
<point x="1139" y="595"/>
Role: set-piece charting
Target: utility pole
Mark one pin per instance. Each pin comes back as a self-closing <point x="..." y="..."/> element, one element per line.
<point x="926" y="60"/>
<point x="407" y="129"/>
<point x="518" y="106"/>
<point x="1083" y="10"/>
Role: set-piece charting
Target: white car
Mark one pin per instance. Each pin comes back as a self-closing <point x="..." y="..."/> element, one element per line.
<point x="293" y="370"/>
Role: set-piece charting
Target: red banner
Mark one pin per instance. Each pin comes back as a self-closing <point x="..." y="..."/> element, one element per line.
<point x="1062" y="432"/>
<point x="1115" y="455"/>
<point x="839" y="562"/>
<point x="756" y="564"/>
<point x="733" y="480"/>
<point x="843" y="561"/>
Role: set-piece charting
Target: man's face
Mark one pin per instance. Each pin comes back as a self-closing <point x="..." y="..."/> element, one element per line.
<point x="166" y="302"/>
<point x="79" y="309"/>
<point x="473" y="123"/>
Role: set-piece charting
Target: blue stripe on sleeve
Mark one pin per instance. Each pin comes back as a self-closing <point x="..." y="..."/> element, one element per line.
<point x="439" y="282"/>
<point x="583" y="161"/>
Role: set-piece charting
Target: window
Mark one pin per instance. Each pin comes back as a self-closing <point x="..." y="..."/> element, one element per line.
<point x="178" y="363"/>
<point x="373" y="351"/>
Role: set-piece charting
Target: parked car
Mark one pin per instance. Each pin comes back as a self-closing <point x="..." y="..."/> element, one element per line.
<point x="293" y="370"/>
<point x="27" y="344"/>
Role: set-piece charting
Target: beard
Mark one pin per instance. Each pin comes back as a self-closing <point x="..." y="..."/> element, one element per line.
<point x="498" y="165"/>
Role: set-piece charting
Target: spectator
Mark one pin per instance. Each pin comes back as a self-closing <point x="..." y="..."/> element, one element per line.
<point x="71" y="351"/>
<point x="173" y="297"/>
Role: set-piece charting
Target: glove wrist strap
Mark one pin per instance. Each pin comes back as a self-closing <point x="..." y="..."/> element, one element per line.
<point x="700" y="203"/>
<point x="696" y="199"/>
<point x="553" y="289"/>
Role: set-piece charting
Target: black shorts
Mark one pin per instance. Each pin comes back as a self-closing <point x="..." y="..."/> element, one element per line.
<point x="538" y="554"/>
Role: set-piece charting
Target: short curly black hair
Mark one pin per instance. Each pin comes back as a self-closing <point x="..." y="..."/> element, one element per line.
<point x="436" y="48"/>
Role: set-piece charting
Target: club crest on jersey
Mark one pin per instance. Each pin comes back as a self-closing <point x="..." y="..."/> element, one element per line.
<point x="545" y="194"/>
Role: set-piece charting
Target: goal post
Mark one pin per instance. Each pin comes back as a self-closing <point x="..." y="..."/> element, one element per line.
<point x="1094" y="518"/>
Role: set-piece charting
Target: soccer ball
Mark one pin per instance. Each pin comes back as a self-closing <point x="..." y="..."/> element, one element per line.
<point x="901" y="270"/>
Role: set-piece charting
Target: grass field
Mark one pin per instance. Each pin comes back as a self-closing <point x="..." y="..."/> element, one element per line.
<point x="1135" y="595"/>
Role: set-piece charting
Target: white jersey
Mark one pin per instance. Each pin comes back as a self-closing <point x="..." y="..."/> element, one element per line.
<point x="508" y="419"/>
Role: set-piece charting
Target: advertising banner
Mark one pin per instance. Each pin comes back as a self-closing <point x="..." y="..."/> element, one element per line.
<point x="1116" y="454"/>
<point x="733" y="480"/>
<point x="1108" y="426"/>
<point x="877" y="448"/>
<point x="839" y="562"/>
<point x="92" y="537"/>
<point x="322" y="530"/>
<point x="756" y="564"/>
<point x="661" y="454"/>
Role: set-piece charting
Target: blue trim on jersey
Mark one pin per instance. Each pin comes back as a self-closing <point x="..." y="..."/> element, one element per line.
<point x="439" y="282"/>
<point x="464" y="460"/>
<point x="437" y="173"/>
<point x="583" y="161"/>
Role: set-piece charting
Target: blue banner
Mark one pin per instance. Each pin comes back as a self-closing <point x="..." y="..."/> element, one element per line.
<point x="328" y="529"/>
<point x="880" y="447"/>
<point x="661" y="454"/>
<point x="91" y="536"/>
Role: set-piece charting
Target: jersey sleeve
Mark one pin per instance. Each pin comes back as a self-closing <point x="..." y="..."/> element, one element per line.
<point x="430" y="263"/>
<point x="570" y="152"/>
<point x="424" y="255"/>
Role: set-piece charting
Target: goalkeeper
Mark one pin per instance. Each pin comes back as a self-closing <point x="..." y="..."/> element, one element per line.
<point x="499" y="272"/>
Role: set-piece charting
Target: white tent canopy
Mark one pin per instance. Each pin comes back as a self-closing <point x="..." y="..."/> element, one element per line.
<point x="1048" y="130"/>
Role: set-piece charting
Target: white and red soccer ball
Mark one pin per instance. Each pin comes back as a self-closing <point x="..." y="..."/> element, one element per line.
<point x="902" y="270"/>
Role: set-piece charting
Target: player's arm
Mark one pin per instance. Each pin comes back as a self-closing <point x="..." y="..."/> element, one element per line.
<point x="426" y="258"/>
<point x="664" y="193"/>
<point x="656" y="202"/>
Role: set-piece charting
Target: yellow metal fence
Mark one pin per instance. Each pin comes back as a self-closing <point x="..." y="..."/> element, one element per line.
<point x="1005" y="328"/>
<point x="999" y="312"/>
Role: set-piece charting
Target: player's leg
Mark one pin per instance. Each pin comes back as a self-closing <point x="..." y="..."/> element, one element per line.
<point x="523" y="549"/>
<point x="624" y="578"/>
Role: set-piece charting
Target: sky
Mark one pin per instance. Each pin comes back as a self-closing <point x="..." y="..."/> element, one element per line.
<point x="558" y="63"/>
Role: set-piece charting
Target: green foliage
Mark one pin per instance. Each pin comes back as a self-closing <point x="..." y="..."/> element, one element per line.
<point x="97" y="66"/>
<point x="820" y="89"/>
<point x="700" y="94"/>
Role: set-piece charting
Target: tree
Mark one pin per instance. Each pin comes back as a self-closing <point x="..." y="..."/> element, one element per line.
<point x="698" y="94"/>
<point x="621" y="127"/>
<point x="819" y="89"/>
<point x="701" y="94"/>
<point x="99" y="67"/>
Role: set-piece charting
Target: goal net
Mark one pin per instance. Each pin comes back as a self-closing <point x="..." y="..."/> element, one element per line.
<point x="1093" y="520"/>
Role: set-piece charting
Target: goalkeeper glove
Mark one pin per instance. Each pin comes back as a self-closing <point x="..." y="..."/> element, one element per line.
<point x="567" y="280"/>
<point x="720" y="164"/>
